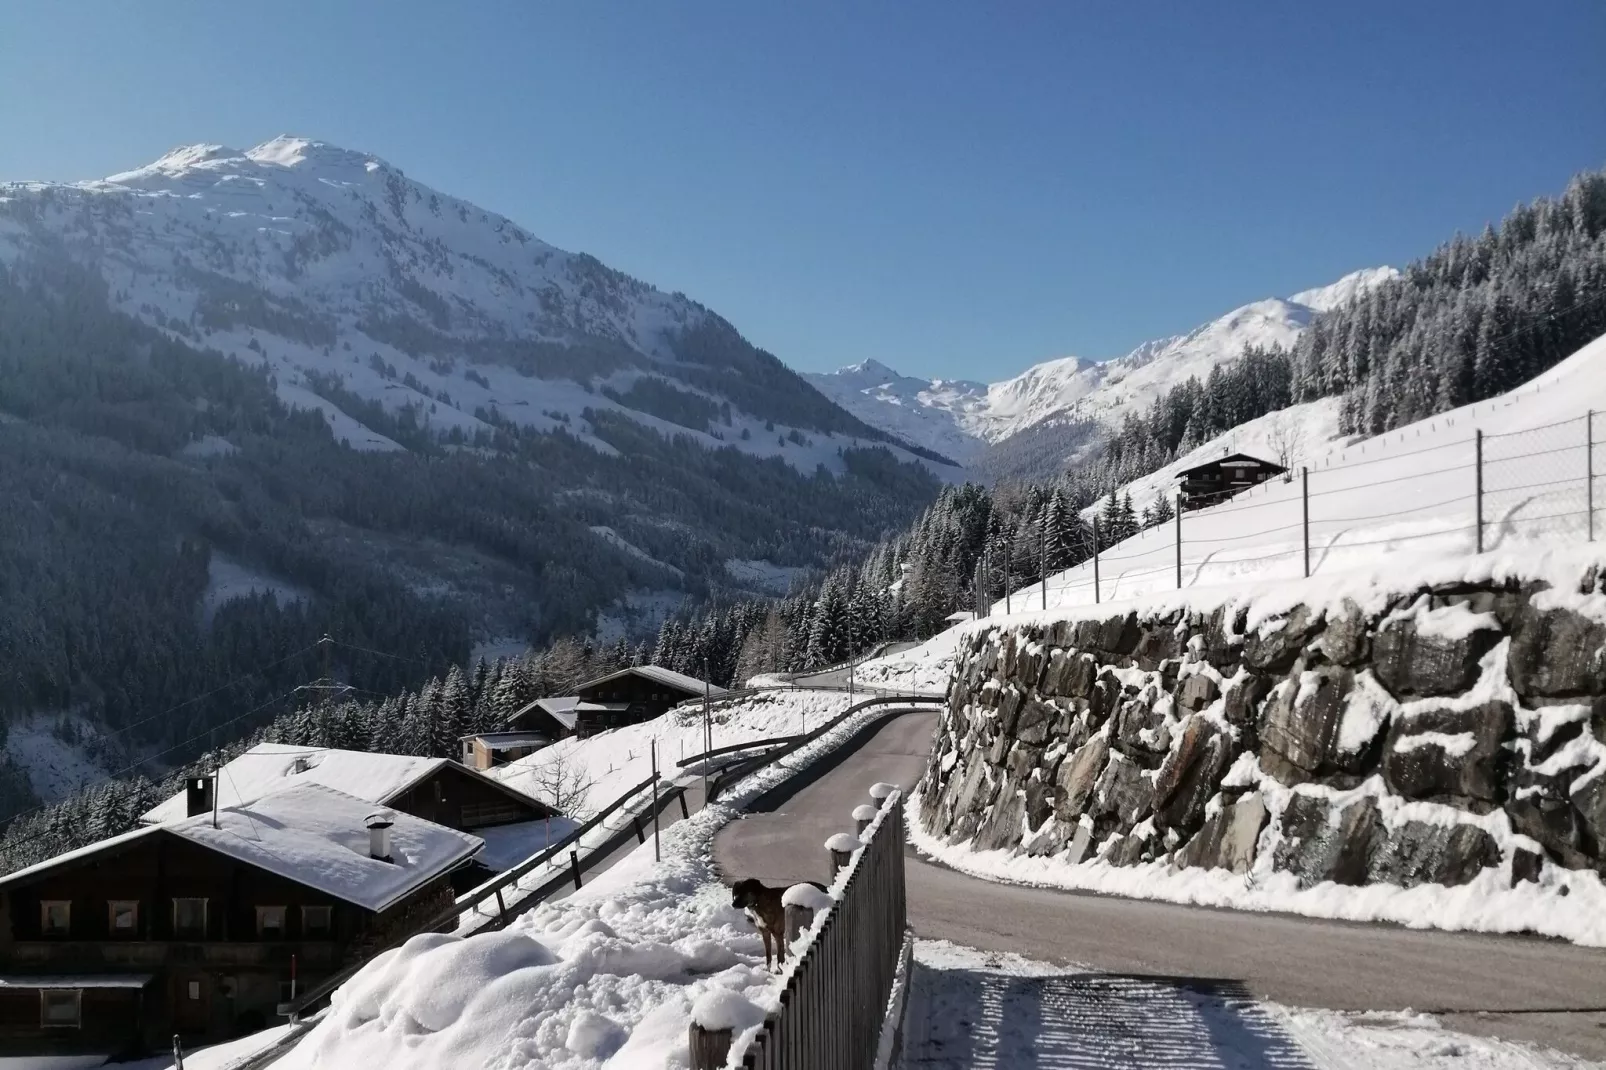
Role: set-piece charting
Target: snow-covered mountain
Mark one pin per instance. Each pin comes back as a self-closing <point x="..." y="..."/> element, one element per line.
<point x="347" y="277"/>
<point x="960" y="419"/>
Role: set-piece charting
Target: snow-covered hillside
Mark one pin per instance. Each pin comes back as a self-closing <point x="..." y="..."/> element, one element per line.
<point x="331" y="265"/>
<point x="1412" y="491"/>
<point x="961" y="418"/>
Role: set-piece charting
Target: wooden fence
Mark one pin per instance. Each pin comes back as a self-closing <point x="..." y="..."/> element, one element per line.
<point x="833" y="1000"/>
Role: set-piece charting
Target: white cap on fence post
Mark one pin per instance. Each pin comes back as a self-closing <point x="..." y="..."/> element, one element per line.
<point x="841" y="846"/>
<point x="863" y="815"/>
<point x="880" y="792"/>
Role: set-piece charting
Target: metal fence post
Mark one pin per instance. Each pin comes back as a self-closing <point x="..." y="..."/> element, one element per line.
<point x="1478" y="459"/>
<point x="1304" y="514"/>
<point x="574" y="866"/>
<point x="1589" y="471"/>
<point x="1095" y="559"/>
<point x="657" y="855"/>
<point x="1178" y="541"/>
<point x="1007" y="580"/>
<point x="1042" y="555"/>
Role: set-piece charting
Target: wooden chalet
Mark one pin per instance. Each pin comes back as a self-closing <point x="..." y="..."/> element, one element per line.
<point x="1216" y="481"/>
<point x="435" y="789"/>
<point x="486" y="750"/>
<point x="551" y="717"/>
<point x="632" y="695"/>
<point x="203" y="925"/>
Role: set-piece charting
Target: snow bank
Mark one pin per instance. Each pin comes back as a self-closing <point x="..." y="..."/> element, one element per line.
<point x="1569" y="904"/>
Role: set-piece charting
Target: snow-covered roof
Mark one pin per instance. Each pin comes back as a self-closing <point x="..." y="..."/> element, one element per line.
<point x="659" y="674"/>
<point x="78" y="980"/>
<point x="317" y="836"/>
<point x="560" y="709"/>
<point x="510" y="739"/>
<point x="602" y="707"/>
<point x="1234" y="460"/>
<point x="272" y="767"/>
<point x="313" y="835"/>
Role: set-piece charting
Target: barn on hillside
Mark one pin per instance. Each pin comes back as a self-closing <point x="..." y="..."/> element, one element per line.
<point x="1215" y="481"/>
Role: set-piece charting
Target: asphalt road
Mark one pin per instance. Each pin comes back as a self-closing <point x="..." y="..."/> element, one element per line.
<point x="1544" y="991"/>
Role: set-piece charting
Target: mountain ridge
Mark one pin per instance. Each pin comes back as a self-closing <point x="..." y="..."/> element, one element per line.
<point x="1075" y="389"/>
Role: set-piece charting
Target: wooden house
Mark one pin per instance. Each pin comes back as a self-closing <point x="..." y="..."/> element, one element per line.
<point x="435" y="789"/>
<point x="202" y="926"/>
<point x="1215" y="481"/>
<point x="632" y="695"/>
<point x="552" y="717"/>
<point x="487" y="750"/>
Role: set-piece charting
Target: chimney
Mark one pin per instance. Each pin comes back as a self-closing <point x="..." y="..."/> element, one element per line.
<point x="379" y="824"/>
<point x="198" y="795"/>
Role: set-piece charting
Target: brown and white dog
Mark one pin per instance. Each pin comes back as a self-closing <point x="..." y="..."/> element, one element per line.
<point x="767" y="913"/>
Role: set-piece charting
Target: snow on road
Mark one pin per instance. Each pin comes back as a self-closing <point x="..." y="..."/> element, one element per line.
<point x="972" y="1009"/>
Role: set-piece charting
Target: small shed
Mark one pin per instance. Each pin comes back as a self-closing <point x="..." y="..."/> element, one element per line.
<point x="485" y="750"/>
<point x="1216" y="481"/>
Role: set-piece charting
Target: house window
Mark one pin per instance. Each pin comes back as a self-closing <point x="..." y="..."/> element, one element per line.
<point x="55" y="917"/>
<point x="270" y="923"/>
<point x="61" y="1008"/>
<point x="189" y="917"/>
<point x="123" y="917"/>
<point x="315" y="923"/>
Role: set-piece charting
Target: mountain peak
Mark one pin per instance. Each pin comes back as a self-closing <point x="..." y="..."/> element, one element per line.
<point x="1326" y="298"/>
<point x="287" y="150"/>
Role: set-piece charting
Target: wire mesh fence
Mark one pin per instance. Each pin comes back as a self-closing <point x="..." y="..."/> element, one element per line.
<point x="1475" y="493"/>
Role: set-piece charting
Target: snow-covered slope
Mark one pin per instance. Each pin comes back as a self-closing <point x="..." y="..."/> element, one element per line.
<point x="961" y="418"/>
<point x="331" y="265"/>
<point x="1410" y="492"/>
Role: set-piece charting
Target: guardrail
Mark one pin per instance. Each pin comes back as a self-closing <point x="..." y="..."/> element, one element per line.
<point x="834" y="997"/>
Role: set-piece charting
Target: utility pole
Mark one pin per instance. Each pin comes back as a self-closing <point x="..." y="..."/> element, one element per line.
<point x="1095" y="559"/>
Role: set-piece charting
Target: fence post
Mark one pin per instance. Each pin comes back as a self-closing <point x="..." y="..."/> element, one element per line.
<point x="1007" y="583"/>
<point x="1095" y="559"/>
<point x="574" y="866"/>
<point x="1478" y="458"/>
<point x="657" y="856"/>
<point x="709" y="1048"/>
<point x="1589" y="470"/>
<point x="1178" y="541"/>
<point x="841" y="846"/>
<point x="1042" y="555"/>
<point x="178" y="1054"/>
<point x="1304" y="514"/>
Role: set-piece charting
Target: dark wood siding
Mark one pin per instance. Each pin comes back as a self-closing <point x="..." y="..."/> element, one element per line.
<point x="457" y="798"/>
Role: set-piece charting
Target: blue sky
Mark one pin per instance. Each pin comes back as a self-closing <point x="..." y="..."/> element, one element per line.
<point x="956" y="189"/>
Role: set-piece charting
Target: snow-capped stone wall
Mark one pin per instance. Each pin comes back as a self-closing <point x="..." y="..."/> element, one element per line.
<point x="1440" y="733"/>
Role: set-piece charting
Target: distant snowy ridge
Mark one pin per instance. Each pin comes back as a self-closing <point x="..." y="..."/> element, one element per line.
<point x="329" y="264"/>
<point x="960" y="418"/>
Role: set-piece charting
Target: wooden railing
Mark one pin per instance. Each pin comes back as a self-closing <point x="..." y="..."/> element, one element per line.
<point x="833" y="1000"/>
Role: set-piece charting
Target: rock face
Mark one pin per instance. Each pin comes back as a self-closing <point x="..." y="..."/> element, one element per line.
<point x="1290" y="743"/>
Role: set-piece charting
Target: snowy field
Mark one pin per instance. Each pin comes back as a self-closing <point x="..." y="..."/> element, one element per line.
<point x="603" y="978"/>
<point x="1410" y="491"/>
<point x="978" y="1009"/>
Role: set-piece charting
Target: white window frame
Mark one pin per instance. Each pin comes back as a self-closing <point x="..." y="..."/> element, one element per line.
<point x="179" y="933"/>
<point x="46" y="1022"/>
<point x="325" y="931"/>
<point x="45" y="928"/>
<point x="279" y="931"/>
<point x="111" y="916"/>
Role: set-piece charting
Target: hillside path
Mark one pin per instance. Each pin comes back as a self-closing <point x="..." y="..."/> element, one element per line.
<point x="1543" y="991"/>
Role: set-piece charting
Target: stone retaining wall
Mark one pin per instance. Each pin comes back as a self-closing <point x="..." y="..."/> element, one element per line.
<point x="1443" y="732"/>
